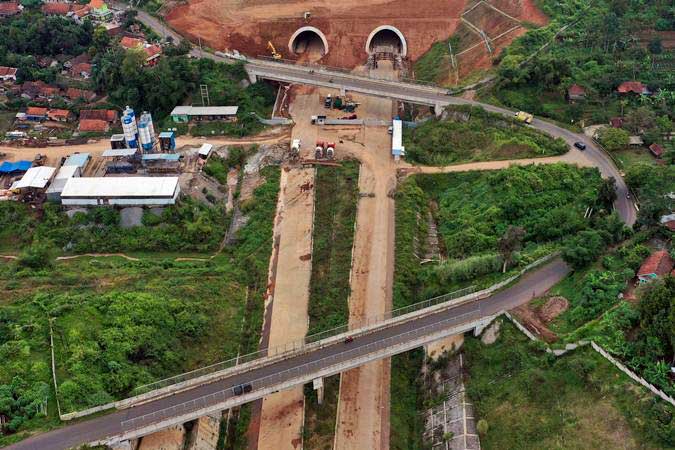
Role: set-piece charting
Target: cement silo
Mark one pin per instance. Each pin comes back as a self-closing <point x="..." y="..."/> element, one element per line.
<point x="130" y="128"/>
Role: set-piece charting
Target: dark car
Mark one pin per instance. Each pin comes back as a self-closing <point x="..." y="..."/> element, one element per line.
<point x="580" y="145"/>
<point x="239" y="389"/>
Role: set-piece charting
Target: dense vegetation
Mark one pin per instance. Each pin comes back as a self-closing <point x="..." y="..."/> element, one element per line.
<point x="515" y="215"/>
<point x="337" y="194"/>
<point x="473" y="134"/>
<point x="610" y="41"/>
<point x="532" y="400"/>
<point x="120" y="323"/>
<point x="32" y="34"/>
<point x="654" y="186"/>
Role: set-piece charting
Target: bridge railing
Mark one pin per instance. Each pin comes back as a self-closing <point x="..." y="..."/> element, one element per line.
<point x="295" y="346"/>
<point x="333" y="362"/>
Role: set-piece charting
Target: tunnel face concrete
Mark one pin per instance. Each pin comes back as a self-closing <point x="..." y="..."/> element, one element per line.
<point x="387" y="38"/>
<point x="308" y="39"/>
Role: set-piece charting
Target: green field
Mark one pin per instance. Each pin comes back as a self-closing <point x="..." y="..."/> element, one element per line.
<point x="119" y="324"/>
<point x="471" y="134"/>
<point x="532" y="400"/>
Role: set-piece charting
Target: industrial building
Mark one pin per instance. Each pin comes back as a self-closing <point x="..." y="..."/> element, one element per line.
<point x="397" y="148"/>
<point x="60" y="180"/>
<point x="34" y="178"/>
<point x="185" y="114"/>
<point x="78" y="159"/>
<point x="121" y="191"/>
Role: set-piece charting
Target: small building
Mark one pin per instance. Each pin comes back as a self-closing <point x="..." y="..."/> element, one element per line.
<point x="56" y="9"/>
<point x="117" y="141"/>
<point x="100" y="11"/>
<point x="119" y="152"/>
<point x="633" y="87"/>
<point x="656" y="150"/>
<point x="185" y="114"/>
<point x="35" y="178"/>
<point x="656" y="265"/>
<point x="576" y="93"/>
<point x="397" y="148"/>
<point x="205" y="150"/>
<point x="93" y="126"/>
<point x="152" y="51"/>
<point x="60" y="115"/>
<point x="7" y="73"/>
<point x="78" y="160"/>
<point x="616" y="122"/>
<point x="8" y="9"/>
<point x="167" y="141"/>
<point x="80" y="94"/>
<point x="121" y="191"/>
<point x="668" y="221"/>
<point x="60" y="180"/>
<point x="635" y="141"/>
<point x="13" y="168"/>
<point x="36" y="113"/>
<point x="81" y="70"/>
<point x="108" y="115"/>
<point x="38" y="89"/>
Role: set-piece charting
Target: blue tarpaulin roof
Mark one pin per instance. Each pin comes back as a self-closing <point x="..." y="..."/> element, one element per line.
<point x="18" y="166"/>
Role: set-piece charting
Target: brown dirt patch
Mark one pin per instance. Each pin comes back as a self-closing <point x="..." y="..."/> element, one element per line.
<point x="553" y="308"/>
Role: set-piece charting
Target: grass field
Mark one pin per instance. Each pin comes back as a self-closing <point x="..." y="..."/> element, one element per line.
<point x="532" y="400"/>
<point x="119" y="323"/>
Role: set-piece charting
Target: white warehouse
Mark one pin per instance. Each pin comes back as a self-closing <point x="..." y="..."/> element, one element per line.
<point x="121" y="191"/>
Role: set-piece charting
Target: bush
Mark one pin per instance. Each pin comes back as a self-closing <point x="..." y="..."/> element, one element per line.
<point x="37" y="256"/>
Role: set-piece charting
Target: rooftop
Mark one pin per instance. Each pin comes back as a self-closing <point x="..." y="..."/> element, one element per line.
<point x="205" y="111"/>
<point x="116" y="153"/>
<point x="93" y="125"/>
<point x="77" y="159"/>
<point x="120" y="187"/>
<point x="7" y="71"/>
<point x="658" y="263"/>
<point x="35" y="177"/>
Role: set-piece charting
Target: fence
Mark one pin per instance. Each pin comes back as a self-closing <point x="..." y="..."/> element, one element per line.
<point x="601" y="351"/>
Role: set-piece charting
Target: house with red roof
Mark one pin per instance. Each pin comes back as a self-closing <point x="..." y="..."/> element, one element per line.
<point x="656" y="150"/>
<point x="77" y="94"/>
<point x="656" y="265"/>
<point x="668" y="221"/>
<point x="634" y="87"/>
<point x="152" y="51"/>
<point x="81" y="70"/>
<point x="107" y="115"/>
<point x="36" y="113"/>
<point x="8" y="73"/>
<point x="8" y="9"/>
<point x="93" y="126"/>
<point x="60" y="115"/>
<point x="576" y="93"/>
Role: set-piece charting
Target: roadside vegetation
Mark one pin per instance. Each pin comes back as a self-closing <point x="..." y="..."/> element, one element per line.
<point x="488" y="222"/>
<point x="468" y="134"/>
<point x="528" y="399"/>
<point x="118" y="323"/>
<point x="336" y="199"/>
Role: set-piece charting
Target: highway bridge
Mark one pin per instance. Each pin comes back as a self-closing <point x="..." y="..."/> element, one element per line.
<point x="332" y="355"/>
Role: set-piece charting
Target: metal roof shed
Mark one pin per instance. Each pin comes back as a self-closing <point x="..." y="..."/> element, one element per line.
<point x="35" y="177"/>
<point x="121" y="191"/>
<point x="120" y="152"/>
<point x="205" y="150"/>
<point x="78" y="159"/>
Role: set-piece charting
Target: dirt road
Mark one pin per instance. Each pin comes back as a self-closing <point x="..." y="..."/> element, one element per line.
<point x="282" y="414"/>
<point x="363" y="411"/>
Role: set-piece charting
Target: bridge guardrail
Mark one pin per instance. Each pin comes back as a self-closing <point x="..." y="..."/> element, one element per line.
<point x="289" y="374"/>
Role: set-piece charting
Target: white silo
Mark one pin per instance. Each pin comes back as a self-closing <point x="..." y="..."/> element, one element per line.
<point x="144" y="135"/>
<point x="130" y="128"/>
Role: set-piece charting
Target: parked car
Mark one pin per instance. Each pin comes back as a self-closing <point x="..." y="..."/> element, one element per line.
<point x="580" y="145"/>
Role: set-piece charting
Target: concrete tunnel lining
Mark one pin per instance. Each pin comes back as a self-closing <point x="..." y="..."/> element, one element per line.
<point x="301" y="30"/>
<point x="404" y="44"/>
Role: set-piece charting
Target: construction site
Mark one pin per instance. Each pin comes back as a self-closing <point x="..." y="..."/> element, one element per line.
<point x="352" y="34"/>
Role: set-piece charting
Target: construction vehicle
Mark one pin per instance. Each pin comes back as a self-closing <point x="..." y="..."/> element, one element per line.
<point x="318" y="120"/>
<point x="318" y="151"/>
<point x="275" y="53"/>
<point x="324" y="150"/>
<point x="295" y="148"/>
<point x="524" y="117"/>
<point x="328" y="101"/>
<point x="329" y="153"/>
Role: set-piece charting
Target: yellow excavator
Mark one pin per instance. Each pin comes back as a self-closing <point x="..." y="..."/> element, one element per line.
<point x="275" y="53"/>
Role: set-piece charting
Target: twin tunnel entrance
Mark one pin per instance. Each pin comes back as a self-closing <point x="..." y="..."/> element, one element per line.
<point x="310" y="42"/>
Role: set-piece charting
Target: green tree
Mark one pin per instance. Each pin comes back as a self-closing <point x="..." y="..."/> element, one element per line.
<point x="613" y="139"/>
<point x="510" y="243"/>
<point x="607" y="193"/>
<point x="583" y="249"/>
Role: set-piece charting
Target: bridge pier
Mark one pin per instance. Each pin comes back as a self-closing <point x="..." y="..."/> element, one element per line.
<point x="438" y="109"/>
<point x="482" y="325"/>
<point x="318" y="386"/>
<point x="253" y="78"/>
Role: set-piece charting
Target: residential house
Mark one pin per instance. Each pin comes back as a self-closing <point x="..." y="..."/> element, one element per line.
<point x="81" y="70"/>
<point x="656" y="150"/>
<point x="38" y="89"/>
<point x="76" y="94"/>
<point x="576" y="93"/>
<point x="634" y="87"/>
<point x="668" y="221"/>
<point x="36" y="114"/>
<point x="60" y="115"/>
<point x="152" y="51"/>
<point x="56" y="9"/>
<point x="8" y="9"/>
<point x="100" y="11"/>
<point x="7" y="73"/>
<point x="635" y="141"/>
<point x="93" y="126"/>
<point x="656" y="265"/>
<point x="107" y="115"/>
<point x="81" y="58"/>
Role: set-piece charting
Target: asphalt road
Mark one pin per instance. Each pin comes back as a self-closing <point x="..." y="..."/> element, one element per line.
<point x="534" y="283"/>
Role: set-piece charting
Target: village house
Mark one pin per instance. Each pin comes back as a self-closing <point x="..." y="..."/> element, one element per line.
<point x="60" y="115"/>
<point x="8" y="9"/>
<point x="634" y="87"/>
<point x="73" y="10"/>
<point x="38" y="89"/>
<point x="152" y="51"/>
<point x="36" y="113"/>
<point x="656" y="265"/>
<point x="576" y="93"/>
<point x="74" y="94"/>
<point x="81" y="70"/>
<point x="107" y="115"/>
<point x="7" y="73"/>
<point x="668" y="221"/>
<point x="656" y="150"/>
<point x="100" y="11"/>
<point x="93" y="126"/>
